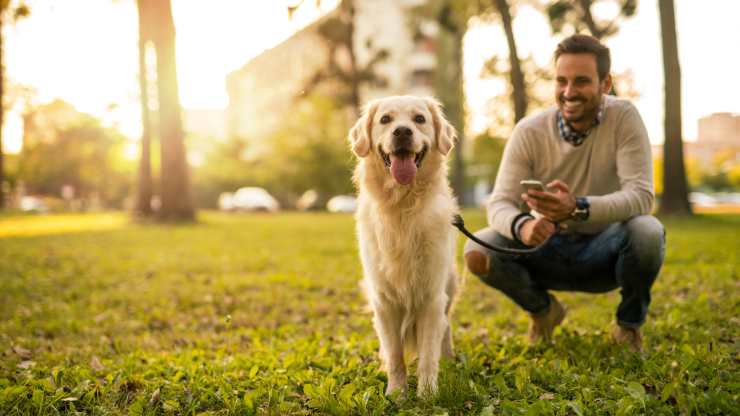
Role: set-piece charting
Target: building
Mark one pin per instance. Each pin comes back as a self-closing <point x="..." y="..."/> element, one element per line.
<point x="718" y="136"/>
<point x="720" y="128"/>
<point x="263" y="92"/>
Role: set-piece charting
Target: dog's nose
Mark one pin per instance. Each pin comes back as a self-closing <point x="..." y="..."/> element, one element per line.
<point x="402" y="137"/>
<point x="402" y="131"/>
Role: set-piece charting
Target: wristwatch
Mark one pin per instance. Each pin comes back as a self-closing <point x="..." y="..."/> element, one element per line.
<point x="581" y="212"/>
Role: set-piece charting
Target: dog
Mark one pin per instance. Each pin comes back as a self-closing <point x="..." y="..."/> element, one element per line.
<point x="406" y="242"/>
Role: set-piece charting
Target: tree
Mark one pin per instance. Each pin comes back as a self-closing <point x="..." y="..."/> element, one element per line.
<point x="452" y="17"/>
<point x="63" y="147"/>
<point x="675" y="200"/>
<point x="15" y="13"/>
<point x="519" y="90"/>
<point x="342" y="69"/>
<point x="144" y="183"/>
<point x="176" y="196"/>
<point x="577" y="16"/>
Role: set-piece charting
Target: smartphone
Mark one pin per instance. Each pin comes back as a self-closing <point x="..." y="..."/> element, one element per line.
<point x="532" y="184"/>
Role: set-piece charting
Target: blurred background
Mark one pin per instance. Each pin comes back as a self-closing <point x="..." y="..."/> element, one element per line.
<point x="162" y="107"/>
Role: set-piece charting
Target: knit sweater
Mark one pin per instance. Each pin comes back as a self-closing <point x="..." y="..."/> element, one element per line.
<point x="612" y="168"/>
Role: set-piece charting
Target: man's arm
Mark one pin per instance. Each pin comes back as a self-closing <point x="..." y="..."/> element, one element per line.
<point x="503" y="205"/>
<point x="635" y="171"/>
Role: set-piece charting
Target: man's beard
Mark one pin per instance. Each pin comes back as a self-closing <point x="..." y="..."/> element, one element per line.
<point x="589" y="108"/>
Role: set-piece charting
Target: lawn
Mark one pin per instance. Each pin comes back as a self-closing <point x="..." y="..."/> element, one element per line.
<point x="262" y="314"/>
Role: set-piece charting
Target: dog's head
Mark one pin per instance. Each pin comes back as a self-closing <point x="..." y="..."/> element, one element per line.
<point x="401" y="131"/>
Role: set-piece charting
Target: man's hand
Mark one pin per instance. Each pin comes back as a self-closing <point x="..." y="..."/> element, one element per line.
<point x="535" y="231"/>
<point x="554" y="206"/>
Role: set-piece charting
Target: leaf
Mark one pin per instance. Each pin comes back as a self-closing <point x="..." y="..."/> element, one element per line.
<point x="547" y="396"/>
<point x="576" y="407"/>
<point x="95" y="364"/>
<point x="310" y="391"/>
<point x="253" y="371"/>
<point x="26" y="364"/>
<point x="22" y="352"/>
<point x="636" y="390"/>
<point x="154" y="399"/>
<point x="667" y="391"/>
<point x="487" y="411"/>
<point x="345" y="395"/>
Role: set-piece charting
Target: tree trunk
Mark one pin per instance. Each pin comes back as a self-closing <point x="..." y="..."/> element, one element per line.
<point x="448" y="86"/>
<point x="519" y="93"/>
<point x="144" y="189"/>
<point x="349" y="6"/>
<point x="675" y="199"/>
<point x="2" y="112"/>
<point x="175" y="190"/>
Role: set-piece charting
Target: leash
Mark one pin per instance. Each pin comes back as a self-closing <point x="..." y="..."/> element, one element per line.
<point x="457" y="222"/>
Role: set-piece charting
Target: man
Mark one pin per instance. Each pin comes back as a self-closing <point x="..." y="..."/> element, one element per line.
<point x="592" y="152"/>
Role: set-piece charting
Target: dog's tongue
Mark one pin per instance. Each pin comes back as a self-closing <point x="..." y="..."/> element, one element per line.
<point x="403" y="168"/>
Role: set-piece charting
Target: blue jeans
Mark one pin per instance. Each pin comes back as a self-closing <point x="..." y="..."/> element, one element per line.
<point x="627" y="255"/>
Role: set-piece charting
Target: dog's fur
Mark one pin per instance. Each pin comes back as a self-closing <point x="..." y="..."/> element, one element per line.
<point x="406" y="242"/>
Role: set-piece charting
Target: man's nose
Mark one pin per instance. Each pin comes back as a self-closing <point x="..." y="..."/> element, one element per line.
<point x="569" y="91"/>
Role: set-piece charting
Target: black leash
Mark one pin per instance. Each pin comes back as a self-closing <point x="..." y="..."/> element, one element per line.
<point x="458" y="223"/>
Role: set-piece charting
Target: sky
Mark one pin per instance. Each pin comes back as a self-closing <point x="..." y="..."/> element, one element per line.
<point x="62" y="52"/>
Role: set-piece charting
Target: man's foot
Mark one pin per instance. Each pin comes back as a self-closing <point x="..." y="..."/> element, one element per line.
<point x="542" y="325"/>
<point x="628" y="336"/>
<point x="478" y="263"/>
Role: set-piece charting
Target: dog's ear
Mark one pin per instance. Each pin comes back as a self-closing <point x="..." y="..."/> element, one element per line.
<point x="444" y="133"/>
<point x="360" y="134"/>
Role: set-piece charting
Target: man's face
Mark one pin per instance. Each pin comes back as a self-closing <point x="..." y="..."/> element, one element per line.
<point x="578" y="89"/>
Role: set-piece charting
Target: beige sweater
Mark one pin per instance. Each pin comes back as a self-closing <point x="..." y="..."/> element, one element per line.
<point x="612" y="168"/>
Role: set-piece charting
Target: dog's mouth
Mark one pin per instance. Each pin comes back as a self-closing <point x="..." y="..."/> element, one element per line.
<point x="403" y="163"/>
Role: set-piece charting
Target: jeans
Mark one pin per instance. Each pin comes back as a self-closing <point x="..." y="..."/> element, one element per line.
<point x="626" y="255"/>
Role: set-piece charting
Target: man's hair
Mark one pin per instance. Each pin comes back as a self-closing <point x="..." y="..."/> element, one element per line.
<point x="587" y="44"/>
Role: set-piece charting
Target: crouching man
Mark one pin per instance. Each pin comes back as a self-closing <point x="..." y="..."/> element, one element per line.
<point x="592" y="152"/>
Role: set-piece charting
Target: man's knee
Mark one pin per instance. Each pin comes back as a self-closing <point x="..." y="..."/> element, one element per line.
<point x="646" y="233"/>
<point x="478" y="259"/>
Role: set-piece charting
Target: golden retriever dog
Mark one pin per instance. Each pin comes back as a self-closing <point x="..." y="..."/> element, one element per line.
<point x="406" y="242"/>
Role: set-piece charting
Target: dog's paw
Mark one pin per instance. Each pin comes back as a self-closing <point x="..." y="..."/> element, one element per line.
<point x="396" y="385"/>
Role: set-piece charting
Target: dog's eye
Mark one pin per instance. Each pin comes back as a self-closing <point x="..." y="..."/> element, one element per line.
<point x="385" y="119"/>
<point x="420" y="119"/>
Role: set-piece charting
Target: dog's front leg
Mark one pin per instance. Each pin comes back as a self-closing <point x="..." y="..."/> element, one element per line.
<point x="431" y="327"/>
<point x="388" y="321"/>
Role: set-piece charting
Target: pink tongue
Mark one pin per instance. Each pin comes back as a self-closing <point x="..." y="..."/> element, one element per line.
<point x="403" y="169"/>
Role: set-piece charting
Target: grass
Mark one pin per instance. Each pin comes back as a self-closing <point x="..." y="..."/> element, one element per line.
<point x="261" y="314"/>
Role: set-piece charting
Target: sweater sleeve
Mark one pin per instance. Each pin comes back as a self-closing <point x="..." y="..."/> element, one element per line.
<point x="503" y="205"/>
<point x="635" y="171"/>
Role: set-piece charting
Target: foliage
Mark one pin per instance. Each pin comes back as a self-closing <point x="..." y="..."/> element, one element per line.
<point x="567" y="16"/>
<point x="719" y="175"/>
<point x="342" y="71"/>
<point x="65" y="147"/>
<point x="485" y="157"/>
<point x="310" y="151"/>
<point x="261" y="314"/>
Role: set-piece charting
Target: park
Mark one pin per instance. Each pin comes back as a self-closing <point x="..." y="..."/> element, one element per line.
<point x="185" y="215"/>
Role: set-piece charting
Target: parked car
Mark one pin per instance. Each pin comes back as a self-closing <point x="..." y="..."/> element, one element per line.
<point x="250" y="199"/>
<point x="701" y="199"/>
<point x="33" y="204"/>
<point x="342" y="203"/>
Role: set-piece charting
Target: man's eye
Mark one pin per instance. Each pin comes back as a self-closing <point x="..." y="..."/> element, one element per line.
<point x="385" y="119"/>
<point x="420" y="119"/>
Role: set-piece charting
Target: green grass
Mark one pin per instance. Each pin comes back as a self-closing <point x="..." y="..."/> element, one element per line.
<point x="261" y="314"/>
